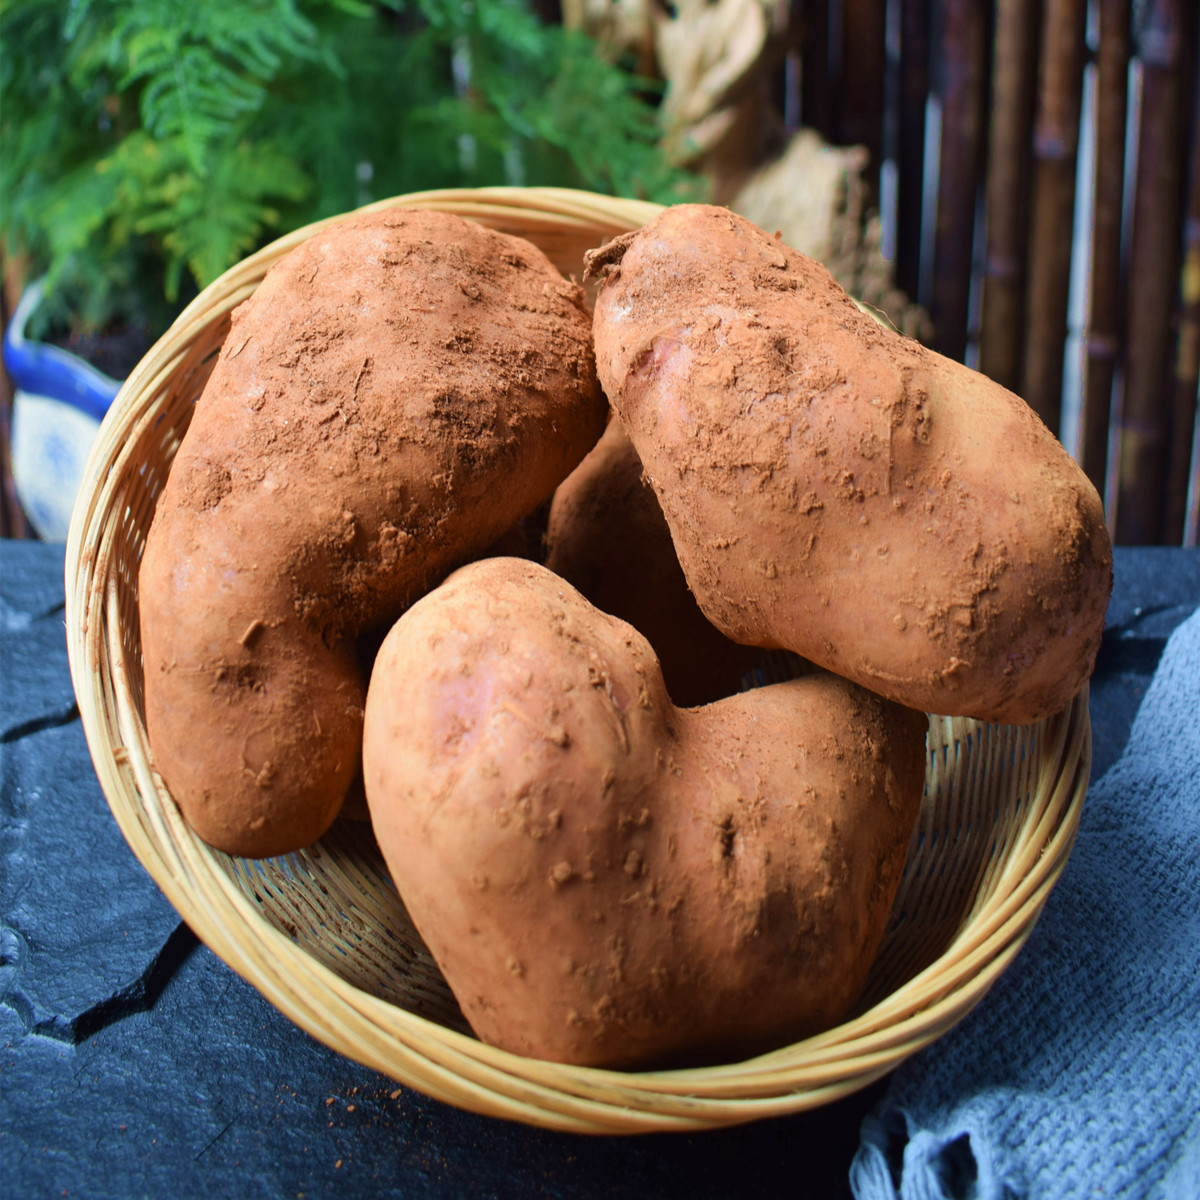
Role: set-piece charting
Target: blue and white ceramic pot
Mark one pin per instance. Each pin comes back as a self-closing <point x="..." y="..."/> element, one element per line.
<point x="58" y="403"/>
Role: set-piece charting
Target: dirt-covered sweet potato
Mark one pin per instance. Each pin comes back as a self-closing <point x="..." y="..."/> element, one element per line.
<point x="398" y="391"/>
<point x="839" y="490"/>
<point x="607" y="879"/>
<point x="607" y="536"/>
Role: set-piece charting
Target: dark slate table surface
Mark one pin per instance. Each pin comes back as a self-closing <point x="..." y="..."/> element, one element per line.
<point x="133" y="1062"/>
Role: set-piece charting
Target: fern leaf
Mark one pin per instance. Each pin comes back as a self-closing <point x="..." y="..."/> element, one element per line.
<point x="205" y="224"/>
<point x="204" y="67"/>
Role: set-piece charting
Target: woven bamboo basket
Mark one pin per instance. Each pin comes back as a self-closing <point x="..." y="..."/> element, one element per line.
<point x="322" y="933"/>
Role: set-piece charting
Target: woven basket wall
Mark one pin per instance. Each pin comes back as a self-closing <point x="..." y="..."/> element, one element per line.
<point x="322" y="933"/>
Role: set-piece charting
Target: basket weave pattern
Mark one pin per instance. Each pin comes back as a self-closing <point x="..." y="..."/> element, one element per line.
<point x="322" y="932"/>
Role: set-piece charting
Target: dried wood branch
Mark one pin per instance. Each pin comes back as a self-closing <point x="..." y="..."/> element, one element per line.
<point x="717" y="59"/>
<point x="619" y="27"/>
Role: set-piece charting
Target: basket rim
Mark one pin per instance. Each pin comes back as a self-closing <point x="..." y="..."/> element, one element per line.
<point x="416" y="1050"/>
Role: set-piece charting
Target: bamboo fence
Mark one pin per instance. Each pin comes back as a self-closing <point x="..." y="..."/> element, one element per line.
<point x="1035" y="169"/>
<point x="985" y="122"/>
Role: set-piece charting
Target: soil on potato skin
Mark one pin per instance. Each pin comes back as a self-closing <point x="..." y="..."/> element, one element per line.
<point x="836" y="489"/>
<point x="398" y="392"/>
<point x="454" y="377"/>
<point x="607" y="536"/>
<point x="625" y="873"/>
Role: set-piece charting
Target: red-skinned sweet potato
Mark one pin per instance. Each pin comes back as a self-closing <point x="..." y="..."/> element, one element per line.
<point x="838" y="490"/>
<point x="607" y="537"/>
<point x="398" y="391"/>
<point x="607" y="879"/>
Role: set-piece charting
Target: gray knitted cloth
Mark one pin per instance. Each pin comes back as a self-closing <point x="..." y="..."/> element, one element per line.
<point x="1079" y="1073"/>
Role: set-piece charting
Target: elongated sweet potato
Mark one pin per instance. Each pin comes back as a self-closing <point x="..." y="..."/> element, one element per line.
<point x="607" y="536"/>
<point x="398" y="392"/>
<point x="607" y="879"/>
<point x="838" y="490"/>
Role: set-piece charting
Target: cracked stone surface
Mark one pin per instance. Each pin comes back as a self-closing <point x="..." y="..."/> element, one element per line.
<point x="134" y="1063"/>
<point x="68" y="965"/>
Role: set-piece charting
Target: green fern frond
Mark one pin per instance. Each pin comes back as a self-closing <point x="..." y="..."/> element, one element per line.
<point x="203" y="67"/>
<point x="161" y="140"/>
<point x="204" y="225"/>
<point x="549" y="86"/>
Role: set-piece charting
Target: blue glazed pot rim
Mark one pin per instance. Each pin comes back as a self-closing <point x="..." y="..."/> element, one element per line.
<point x="45" y="370"/>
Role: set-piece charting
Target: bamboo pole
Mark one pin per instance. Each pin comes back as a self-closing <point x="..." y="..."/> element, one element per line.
<point x="964" y="55"/>
<point x="910" y="156"/>
<point x="864" y="62"/>
<point x="816" y="76"/>
<point x="1180" y="467"/>
<point x="1055" y="146"/>
<point x="1014" y="81"/>
<point x="1103" y="334"/>
<point x="1153" y="272"/>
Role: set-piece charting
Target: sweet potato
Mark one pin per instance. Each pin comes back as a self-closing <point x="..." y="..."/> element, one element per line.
<point x="839" y="490"/>
<point x="398" y="391"/>
<point x="607" y="879"/>
<point x="607" y="537"/>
